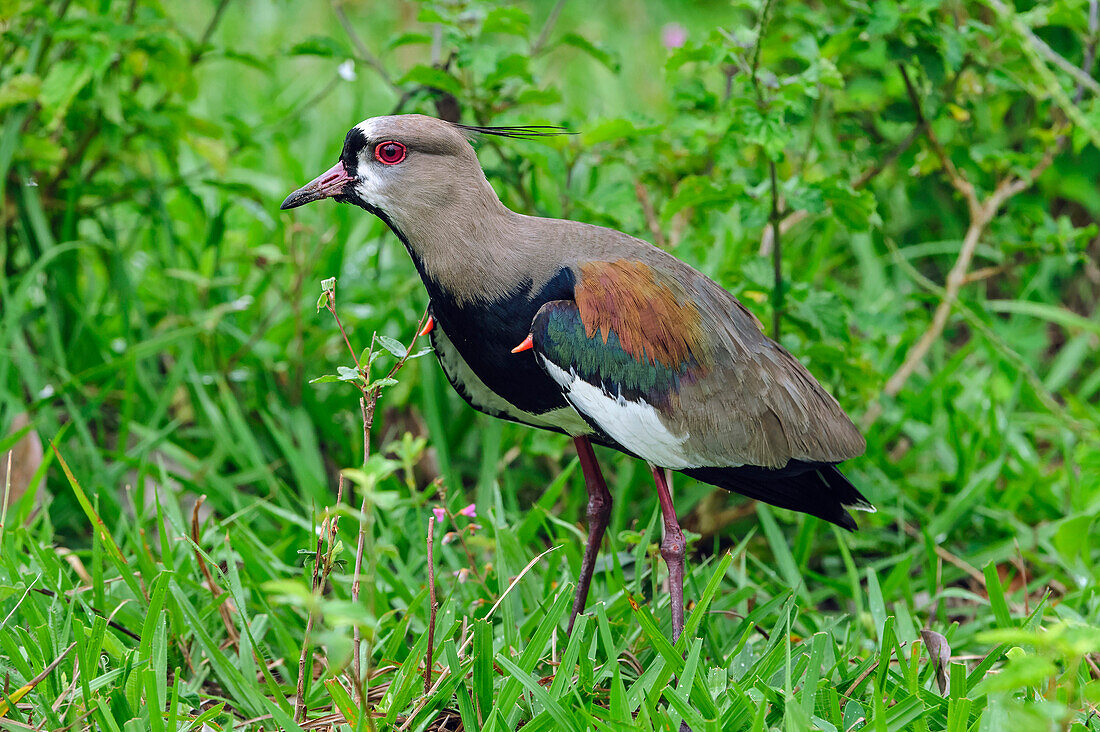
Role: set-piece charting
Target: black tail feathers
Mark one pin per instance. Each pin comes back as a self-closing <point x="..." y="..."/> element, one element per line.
<point x="818" y="489"/>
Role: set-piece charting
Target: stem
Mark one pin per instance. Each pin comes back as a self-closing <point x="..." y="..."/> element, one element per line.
<point x="365" y="54"/>
<point x="368" y="419"/>
<point x="432" y="606"/>
<point x="367" y="403"/>
<point x="777" y="259"/>
<point x="209" y="32"/>
<point x="548" y="26"/>
<point x="300" y="701"/>
<point x="332" y="309"/>
<point x="982" y="211"/>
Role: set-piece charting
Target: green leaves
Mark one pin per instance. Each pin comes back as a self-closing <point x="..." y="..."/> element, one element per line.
<point x="432" y="78"/>
<point x="325" y="46"/>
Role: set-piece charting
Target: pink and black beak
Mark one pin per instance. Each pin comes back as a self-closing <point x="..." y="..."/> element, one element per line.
<point x="329" y="184"/>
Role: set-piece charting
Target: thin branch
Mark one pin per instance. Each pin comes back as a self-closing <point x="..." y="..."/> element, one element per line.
<point x="1084" y="81"/>
<point x="774" y="215"/>
<point x="955" y="176"/>
<point x="544" y="34"/>
<point x="431" y="606"/>
<point x="871" y="173"/>
<point x="365" y="54"/>
<point x="948" y="557"/>
<point x="311" y="615"/>
<point x="761" y="29"/>
<point x="208" y="33"/>
<point x="1090" y="50"/>
<point x="650" y="215"/>
<point x="368" y="418"/>
<point x="322" y="567"/>
<point x="777" y="252"/>
<point x="224" y="608"/>
<point x="976" y="322"/>
<point x="981" y="214"/>
<point x="367" y="402"/>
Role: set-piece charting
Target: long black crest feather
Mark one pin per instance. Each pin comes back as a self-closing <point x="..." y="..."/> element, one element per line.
<point x="516" y="132"/>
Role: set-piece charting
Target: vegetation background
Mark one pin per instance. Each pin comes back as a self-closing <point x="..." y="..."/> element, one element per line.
<point x="932" y="170"/>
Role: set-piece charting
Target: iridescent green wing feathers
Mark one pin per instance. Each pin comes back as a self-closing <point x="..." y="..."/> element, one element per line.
<point x="561" y="337"/>
<point x="724" y="394"/>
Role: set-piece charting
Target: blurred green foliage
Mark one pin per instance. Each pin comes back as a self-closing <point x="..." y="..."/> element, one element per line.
<point x="159" y="323"/>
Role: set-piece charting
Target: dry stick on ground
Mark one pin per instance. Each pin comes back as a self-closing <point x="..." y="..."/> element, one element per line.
<point x="981" y="211"/>
<point x="367" y="403"/>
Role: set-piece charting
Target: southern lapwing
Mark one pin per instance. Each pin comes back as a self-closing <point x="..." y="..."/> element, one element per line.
<point x="594" y="333"/>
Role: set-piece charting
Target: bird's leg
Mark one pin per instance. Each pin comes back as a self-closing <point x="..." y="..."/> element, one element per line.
<point x="599" y="510"/>
<point x="672" y="549"/>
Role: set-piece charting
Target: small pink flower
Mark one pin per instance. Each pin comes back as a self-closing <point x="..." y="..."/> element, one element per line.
<point x="462" y="574"/>
<point x="474" y="528"/>
<point x="440" y="514"/>
<point x="673" y="35"/>
<point x="449" y="537"/>
<point x="469" y="512"/>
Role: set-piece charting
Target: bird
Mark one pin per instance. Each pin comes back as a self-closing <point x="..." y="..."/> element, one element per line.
<point x="588" y="331"/>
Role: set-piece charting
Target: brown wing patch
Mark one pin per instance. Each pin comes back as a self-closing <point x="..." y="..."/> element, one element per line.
<point x="654" y="318"/>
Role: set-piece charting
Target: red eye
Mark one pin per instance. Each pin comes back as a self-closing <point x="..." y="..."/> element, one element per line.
<point x="389" y="153"/>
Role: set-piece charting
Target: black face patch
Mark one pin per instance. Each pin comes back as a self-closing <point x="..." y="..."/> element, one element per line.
<point x="353" y="145"/>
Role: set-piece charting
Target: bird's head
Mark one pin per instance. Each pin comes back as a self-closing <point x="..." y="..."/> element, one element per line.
<point x="391" y="164"/>
<point x="406" y="168"/>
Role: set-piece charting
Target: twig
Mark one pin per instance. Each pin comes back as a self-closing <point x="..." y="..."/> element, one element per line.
<point x="1084" y="81"/>
<point x="65" y="596"/>
<point x="544" y="34"/>
<point x="367" y="403"/>
<point x="322" y="567"/>
<point x="1022" y="569"/>
<point x="761" y="28"/>
<point x="461" y="536"/>
<point x="981" y="212"/>
<point x="368" y="418"/>
<point x="431" y="606"/>
<point x="871" y="173"/>
<point x="650" y="215"/>
<point x="774" y="214"/>
<point x="224" y="608"/>
<point x="777" y="252"/>
<point x="976" y="322"/>
<point x="1090" y="51"/>
<point x="360" y="47"/>
<point x="311" y="614"/>
<point x="950" y="558"/>
<point x="7" y="495"/>
<point x="958" y="179"/>
<point x="22" y="691"/>
<point x="208" y="33"/>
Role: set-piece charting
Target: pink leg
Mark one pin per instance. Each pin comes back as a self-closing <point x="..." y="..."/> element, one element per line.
<point x="599" y="511"/>
<point x="672" y="549"/>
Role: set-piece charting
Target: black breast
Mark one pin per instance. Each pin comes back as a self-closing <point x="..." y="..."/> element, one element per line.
<point x="486" y="332"/>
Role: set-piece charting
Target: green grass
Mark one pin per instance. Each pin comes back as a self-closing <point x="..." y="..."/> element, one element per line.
<point x="158" y="325"/>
